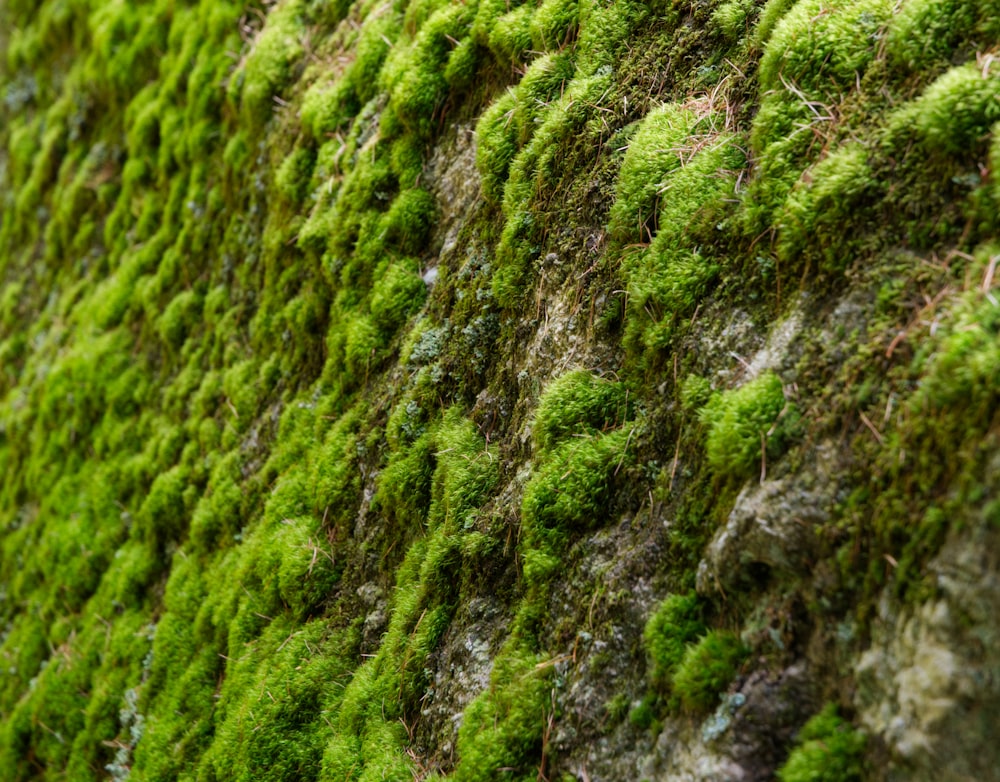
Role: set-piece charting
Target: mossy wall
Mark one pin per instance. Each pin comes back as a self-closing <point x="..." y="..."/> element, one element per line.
<point x="374" y="377"/>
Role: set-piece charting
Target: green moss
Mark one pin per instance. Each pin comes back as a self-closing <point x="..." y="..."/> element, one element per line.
<point x="510" y="36"/>
<point x="656" y="150"/>
<point x="832" y="193"/>
<point x="707" y="669"/>
<point x="293" y="175"/>
<point x="672" y="189"/>
<point x="214" y="220"/>
<point x="417" y="81"/>
<point x="531" y="174"/>
<point x="674" y="625"/>
<point x="408" y="223"/>
<point x="746" y="425"/>
<point x="569" y="493"/>
<point x="605" y="29"/>
<point x="695" y="392"/>
<point x="827" y="749"/>
<point x="770" y="15"/>
<point x="270" y="66"/>
<point x="577" y="403"/>
<point x="511" y="120"/>
<point x="953" y="114"/>
<point x="162" y="517"/>
<point x="811" y="62"/>
<point x="180" y="317"/>
<point x="463" y="64"/>
<point x="817" y="52"/>
<point x="554" y="24"/>
<point x="503" y="727"/>
<point x="924" y="34"/>
<point x="496" y="145"/>
<point x="730" y="19"/>
<point x="643" y="715"/>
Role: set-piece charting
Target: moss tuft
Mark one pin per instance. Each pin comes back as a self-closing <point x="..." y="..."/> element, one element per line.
<point x="578" y="403"/>
<point x="676" y="623"/>
<point x="827" y="750"/>
<point x="707" y="669"/>
<point x="746" y="425"/>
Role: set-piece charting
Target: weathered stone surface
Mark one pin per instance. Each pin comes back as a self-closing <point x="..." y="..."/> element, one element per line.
<point x="929" y="684"/>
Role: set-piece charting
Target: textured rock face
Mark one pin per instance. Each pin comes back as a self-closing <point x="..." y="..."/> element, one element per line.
<point x="481" y="390"/>
<point x="928" y="684"/>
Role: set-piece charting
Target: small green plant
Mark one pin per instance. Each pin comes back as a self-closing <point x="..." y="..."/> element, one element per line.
<point x="675" y="624"/>
<point x="415" y="76"/>
<point x="554" y="24"/>
<point x="671" y="192"/>
<point x="408" y="222"/>
<point x="643" y="714"/>
<point x="510" y="36"/>
<point x="397" y="292"/>
<point x="827" y="749"/>
<point x="730" y="19"/>
<point x="770" y="15"/>
<point x="927" y="32"/>
<point x="746" y="425"/>
<point x="695" y="392"/>
<point x="706" y="670"/>
<point x="503" y="728"/>
<point x="293" y="175"/>
<point x="269" y="67"/>
<point x="818" y="207"/>
<point x="572" y="487"/>
<point x="813" y="57"/>
<point x="577" y="403"/>
<point x="654" y="152"/>
<point x="953" y="114"/>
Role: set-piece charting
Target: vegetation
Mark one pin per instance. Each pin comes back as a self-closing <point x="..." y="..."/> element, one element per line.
<point x="295" y="429"/>
<point x="675" y="624"/>
<point x="826" y="749"/>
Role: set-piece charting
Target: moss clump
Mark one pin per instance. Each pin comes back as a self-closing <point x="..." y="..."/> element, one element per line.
<point x="827" y="750"/>
<point x="293" y="175"/>
<point x="496" y="144"/>
<point x="554" y="24"/>
<point x="535" y="167"/>
<point x="415" y="77"/>
<point x="925" y="34"/>
<point x="695" y="392"/>
<point x="747" y="425"/>
<point x="510" y="121"/>
<point x="407" y="224"/>
<point x="578" y="403"/>
<point x="573" y="486"/>
<point x="835" y="190"/>
<point x="770" y="15"/>
<point x="730" y="19"/>
<point x="707" y="669"/>
<point x="813" y="59"/>
<point x="814" y="51"/>
<point x="509" y="37"/>
<point x="656" y="150"/>
<point x="678" y="173"/>
<point x="955" y="113"/>
<point x="270" y="66"/>
<point x="676" y="623"/>
<point x="503" y="728"/>
<point x="397" y="293"/>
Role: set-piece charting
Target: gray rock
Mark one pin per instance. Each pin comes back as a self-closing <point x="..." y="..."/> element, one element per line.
<point x="929" y="685"/>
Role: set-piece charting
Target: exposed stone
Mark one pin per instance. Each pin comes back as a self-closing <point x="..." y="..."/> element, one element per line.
<point x="773" y="524"/>
<point x="929" y="684"/>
